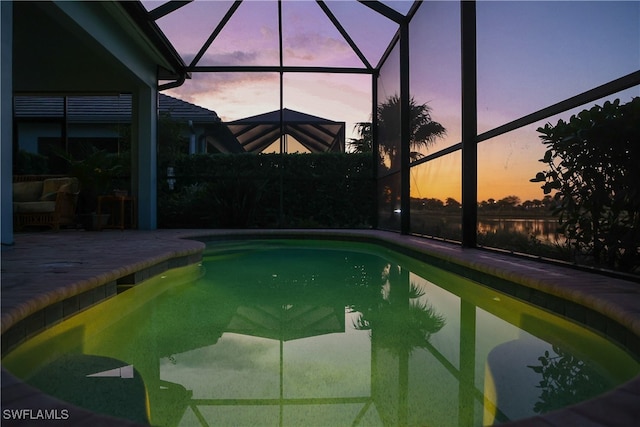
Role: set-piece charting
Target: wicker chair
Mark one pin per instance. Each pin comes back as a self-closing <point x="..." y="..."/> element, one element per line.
<point x="44" y="201"/>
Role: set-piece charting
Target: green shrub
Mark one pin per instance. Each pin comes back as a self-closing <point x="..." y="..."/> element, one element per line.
<point x="269" y="190"/>
<point x="592" y="169"/>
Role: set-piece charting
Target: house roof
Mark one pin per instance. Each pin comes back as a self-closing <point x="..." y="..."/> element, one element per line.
<point x="104" y="109"/>
<point x="317" y="134"/>
<point x="183" y="110"/>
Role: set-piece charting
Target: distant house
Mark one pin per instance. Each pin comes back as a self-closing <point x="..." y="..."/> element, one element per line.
<point x="46" y="123"/>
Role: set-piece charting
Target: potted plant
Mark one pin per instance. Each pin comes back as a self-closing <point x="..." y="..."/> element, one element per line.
<point x="97" y="172"/>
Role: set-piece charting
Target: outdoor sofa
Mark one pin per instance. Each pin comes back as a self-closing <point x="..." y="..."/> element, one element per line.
<point x="44" y="201"/>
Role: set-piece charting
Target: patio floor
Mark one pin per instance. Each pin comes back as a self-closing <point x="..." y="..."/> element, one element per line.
<point x="49" y="275"/>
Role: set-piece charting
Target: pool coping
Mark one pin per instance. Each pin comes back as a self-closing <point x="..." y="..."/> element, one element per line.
<point x="76" y="281"/>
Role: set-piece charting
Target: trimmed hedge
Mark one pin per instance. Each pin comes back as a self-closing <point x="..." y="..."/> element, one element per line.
<point x="328" y="190"/>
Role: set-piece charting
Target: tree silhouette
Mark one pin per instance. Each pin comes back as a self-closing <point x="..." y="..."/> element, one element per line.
<point x="452" y="203"/>
<point x="398" y="320"/>
<point x="423" y="130"/>
<point x="364" y="142"/>
<point x="592" y="169"/>
<point x="565" y="380"/>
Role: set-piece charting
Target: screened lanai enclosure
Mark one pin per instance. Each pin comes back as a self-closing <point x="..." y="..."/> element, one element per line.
<point x="448" y="95"/>
<point x="449" y="98"/>
<point x="510" y="126"/>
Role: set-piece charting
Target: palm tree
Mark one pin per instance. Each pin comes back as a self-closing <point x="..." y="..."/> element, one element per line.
<point x="423" y="130"/>
<point x="394" y="313"/>
<point x="363" y="144"/>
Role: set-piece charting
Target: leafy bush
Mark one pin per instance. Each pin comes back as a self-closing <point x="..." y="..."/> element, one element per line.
<point x="593" y="169"/>
<point x="268" y="190"/>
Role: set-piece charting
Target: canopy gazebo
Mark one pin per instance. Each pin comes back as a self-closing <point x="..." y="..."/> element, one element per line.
<point x="316" y="134"/>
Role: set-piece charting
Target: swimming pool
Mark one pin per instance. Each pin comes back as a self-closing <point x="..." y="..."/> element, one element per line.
<point x="318" y="333"/>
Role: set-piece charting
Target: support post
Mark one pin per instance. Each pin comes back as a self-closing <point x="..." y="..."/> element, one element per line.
<point x="375" y="148"/>
<point x="405" y="132"/>
<point x="144" y="153"/>
<point x="469" y="126"/>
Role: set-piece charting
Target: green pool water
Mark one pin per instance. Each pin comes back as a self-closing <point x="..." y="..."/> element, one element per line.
<point x="318" y="333"/>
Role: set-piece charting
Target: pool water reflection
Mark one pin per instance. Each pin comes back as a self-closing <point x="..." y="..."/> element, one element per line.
<point x="319" y="333"/>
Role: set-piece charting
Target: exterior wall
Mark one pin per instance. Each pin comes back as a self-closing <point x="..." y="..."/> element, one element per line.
<point x="108" y="130"/>
<point x="29" y="133"/>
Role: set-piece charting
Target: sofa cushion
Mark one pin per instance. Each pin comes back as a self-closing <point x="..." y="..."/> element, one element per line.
<point x="34" y="207"/>
<point x="48" y="197"/>
<point x="27" y="191"/>
<point x="53" y="185"/>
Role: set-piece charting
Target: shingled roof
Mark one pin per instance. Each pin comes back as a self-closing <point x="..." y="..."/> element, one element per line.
<point x="104" y="109"/>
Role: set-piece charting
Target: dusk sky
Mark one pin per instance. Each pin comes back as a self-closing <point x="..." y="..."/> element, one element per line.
<point x="530" y="54"/>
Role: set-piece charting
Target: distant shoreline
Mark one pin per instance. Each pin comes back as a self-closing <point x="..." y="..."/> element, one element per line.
<point x="514" y="214"/>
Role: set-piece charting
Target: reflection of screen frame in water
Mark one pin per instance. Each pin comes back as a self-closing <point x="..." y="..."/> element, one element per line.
<point x="476" y="296"/>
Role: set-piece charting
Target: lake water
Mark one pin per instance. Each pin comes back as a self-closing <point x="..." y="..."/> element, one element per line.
<point x="543" y="229"/>
<point x="449" y="225"/>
